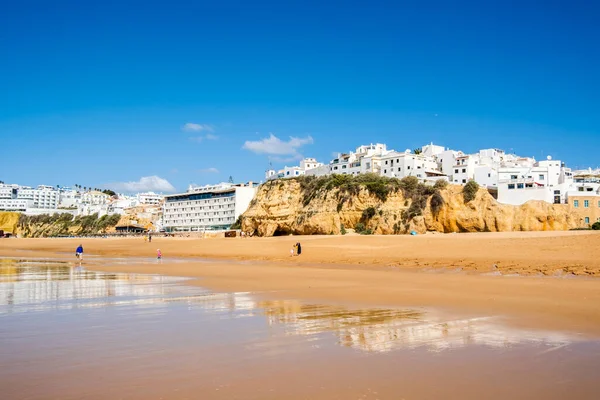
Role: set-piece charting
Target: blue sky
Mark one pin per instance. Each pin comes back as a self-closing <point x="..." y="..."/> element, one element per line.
<point x="106" y="93"/>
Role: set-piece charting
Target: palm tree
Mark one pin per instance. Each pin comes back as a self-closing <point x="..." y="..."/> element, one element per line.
<point x="417" y="151"/>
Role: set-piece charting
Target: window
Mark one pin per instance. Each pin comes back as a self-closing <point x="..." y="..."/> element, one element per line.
<point x="519" y="186"/>
<point x="587" y="220"/>
<point x="541" y="177"/>
<point x="386" y="163"/>
<point x="575" y="203"/>
<point x="464" y="181"/>
<point x="456" y="171"/>
<point x="464" y="170"/>
<point x="511" y="185"/>
<point x="514" y="177"/>
<point x="399" y="169"/>
<point x="408" y="167"/>
<point x="385" y="171"/>
<point x="557" y="192"/>
<point x="489" y="175"/>
<point x="586" y="203"/>
<point x="418" y="167"/>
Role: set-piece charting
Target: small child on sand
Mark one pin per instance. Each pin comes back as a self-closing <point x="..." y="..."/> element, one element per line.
<point x="292" y="251"/>
<point x="158" y="254"/>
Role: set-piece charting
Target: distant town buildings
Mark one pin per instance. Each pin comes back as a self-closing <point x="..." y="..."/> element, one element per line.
<point x="207" y="208"/>
<point x="150" y="198"/>
<point x="512" y="179"/>
<point x="21" y="198"/>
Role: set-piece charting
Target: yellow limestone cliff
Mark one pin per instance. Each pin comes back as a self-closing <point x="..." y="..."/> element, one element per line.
<point x="284" y="207"/>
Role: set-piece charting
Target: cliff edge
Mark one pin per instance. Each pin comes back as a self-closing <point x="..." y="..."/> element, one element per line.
<point x="373" y="204"/>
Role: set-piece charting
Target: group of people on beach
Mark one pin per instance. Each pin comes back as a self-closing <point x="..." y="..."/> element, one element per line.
<point x="296" y="250"/>
<point x="79" y="252"/>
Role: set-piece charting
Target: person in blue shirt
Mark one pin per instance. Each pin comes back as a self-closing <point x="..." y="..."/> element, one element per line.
<point x="79" y="252"/>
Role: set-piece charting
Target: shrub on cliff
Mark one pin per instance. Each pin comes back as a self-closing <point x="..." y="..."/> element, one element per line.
<point x="368" y="213"/>
<point x="596" y="226"/>
<point x="436" y="203"/>
<point x="440" y="184"/>
<point x="470" y="191"/>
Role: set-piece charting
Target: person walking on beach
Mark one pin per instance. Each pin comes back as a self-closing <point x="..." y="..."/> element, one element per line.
<point x="79" y="252"/>
<point x="298" y="249"/>
<point x="149" y="238"/>
<point x="158" y="254"/>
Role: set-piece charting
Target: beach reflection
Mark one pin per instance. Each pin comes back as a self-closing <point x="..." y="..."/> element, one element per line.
<point x="44" y="286"/>
<point x="382" y="330"/>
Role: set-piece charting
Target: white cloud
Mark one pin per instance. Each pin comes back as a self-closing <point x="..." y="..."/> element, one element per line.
<point x="192" y="127"/>
<point x="276" y="147"/>
<point x="145" y="184"/>
<point x="211" y="170"/>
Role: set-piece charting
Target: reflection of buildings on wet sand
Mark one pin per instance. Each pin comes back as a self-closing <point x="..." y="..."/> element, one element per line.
<point x="31" y="285"/>
<point x="383" y="330"/>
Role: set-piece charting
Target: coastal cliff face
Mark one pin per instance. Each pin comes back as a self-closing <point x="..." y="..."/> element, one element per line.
<point x="287" y="207"/>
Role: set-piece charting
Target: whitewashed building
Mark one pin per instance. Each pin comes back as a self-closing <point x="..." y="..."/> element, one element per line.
<point x="402" y="165"/>
<point x="150" y="198"/>
<point x="365" y="159"/>
<point x="23" y="198"/>
<point x="94" y="197"/>
<point x="290" y="172"/>
<point x="207" y="208"/>
<point x="548" y="181"/>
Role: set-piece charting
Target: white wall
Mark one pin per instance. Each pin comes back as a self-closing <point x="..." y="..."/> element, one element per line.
<point x="486" y="176"/>
<point x="521" y="196"/>
<point x="243" y="197"/>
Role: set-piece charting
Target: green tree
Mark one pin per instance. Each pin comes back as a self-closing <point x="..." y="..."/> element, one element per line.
<point x="596" y="226"/>
<point x="417" y="151"/>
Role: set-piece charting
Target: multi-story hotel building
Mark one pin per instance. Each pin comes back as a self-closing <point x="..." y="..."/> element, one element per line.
<point x="21" y="198"/>
<point x="207" y="208"/>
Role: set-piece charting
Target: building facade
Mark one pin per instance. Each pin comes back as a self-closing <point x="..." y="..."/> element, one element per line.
<point x="290" y="172"/>
<point x="150" y="198"/>
<point x="207" y="208"/>
<point x="22" y="198"/>
<point x="548" y="181"/>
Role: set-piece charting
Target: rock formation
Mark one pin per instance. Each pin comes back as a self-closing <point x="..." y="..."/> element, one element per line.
<point x="286" y="207"/>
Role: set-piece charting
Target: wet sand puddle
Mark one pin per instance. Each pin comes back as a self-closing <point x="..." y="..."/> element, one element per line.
<point x="70" y="333"/>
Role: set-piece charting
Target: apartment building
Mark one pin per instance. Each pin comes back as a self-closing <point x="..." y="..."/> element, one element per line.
<point x="207" y="208"/>
<point x="547" y="181"/>
<point x="401" y="165"/>
<point x="150" y="198"/>
<point x="21" y="198"/>
<point x="584" y="196"/>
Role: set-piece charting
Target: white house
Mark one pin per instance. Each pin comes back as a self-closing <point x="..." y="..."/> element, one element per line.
<point x="150" y="198"/>
<point x="401" y="165"/>
<point x="210" y="207"/>
<point x="94" y="197"/>
<point x="365" y="159"/>
<point x="290" y="172"/>
<point x="547" y="180"/>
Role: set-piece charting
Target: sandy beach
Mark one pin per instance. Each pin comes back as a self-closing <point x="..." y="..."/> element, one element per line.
<point x="543" y="279"/>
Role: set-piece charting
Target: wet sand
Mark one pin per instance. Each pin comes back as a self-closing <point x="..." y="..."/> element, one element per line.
<point x="454" y="272"/>
<point x="71" y="333"/>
